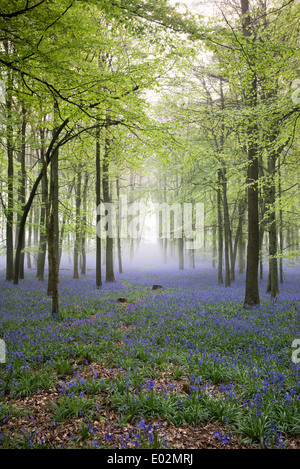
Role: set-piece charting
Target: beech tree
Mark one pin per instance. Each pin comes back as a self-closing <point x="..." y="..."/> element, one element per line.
<point x="80" y="125"/>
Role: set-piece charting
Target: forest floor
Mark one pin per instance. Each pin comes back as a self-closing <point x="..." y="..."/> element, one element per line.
<point x="185" y="366"/>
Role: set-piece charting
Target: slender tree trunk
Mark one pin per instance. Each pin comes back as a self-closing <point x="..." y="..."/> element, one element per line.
<point x="98" y="202"/>
<point x="43" y="238"/>
<point x="227" y="235"/>
<point x="77" y="224"/>
<point x="262" y="223"/>
<point x="220" y="230"/>
<point x="273" y="286"/>
<point x="181" y="253"/>
<point x="241" y="254"/>
<point x="55" y="186"/>
<point x="29" y="266"/>
<point x="238" y="235"/>
<point x="214" y="246"/>
<point x="53" y="288"/>
<point x="36" y="217"/>
<point x="165" y="240"/>
<point x="160" y="238"/>
<point x="10" y="181"/>
<point x="261" y="246"/>
<point x="262" y="231"/>
<point x="53" y="232"/>
<point x="110" y="277"/>
<point x="241" y="242"/>
<point x="119" y="228"/>
<point x="84" y="222"/>
<point x="280" y="227"/>
<point x="192" y="258"/>
<point x="52" y="248"/>
<point x="22" y="193"/>
<point x="65" y="220"/>
<point x="131" y="240"/>
<point x="226" y="228"/>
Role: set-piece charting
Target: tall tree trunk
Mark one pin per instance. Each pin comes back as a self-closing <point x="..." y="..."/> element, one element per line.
<point x="36" y="217"/>
<point x="52" y="244"/>
<point x="77" y="224"/>
<point x="130" y="217"/>
<point x="238" y="235"/>
<point x="273" y="286"/>
<point x="84" y="222"/>
<point x="192" y="258"/>
<point x="220" y="230"/>
<point x="119" y="228"/>
<point x="262" y="227"/>
<point x="181" y="253"/>
<point x="64" y="222"/>
<point x="214" y="246"/>
<point x="98" y="202"/>
<point x="42" y="243"/>
<point x="53" y="231"/>
<point x="252" y="292"/>
<point x="227" y="235"/>
<point x="226" y="227"/>
<point x="241" y="254"/>
<point x="28" y="241"/>
<point x="53" y="264"/>
<point x="10" y="180"/>
<point x="43" y="238"/>
<point x="261" y="246"/>
<point x="241" y="243"/>
<point x="54" y="199"/>
<point x="165" y="240"/>
<point x="280" y="227"/>
<point x="22" y="193"/>
<point x="110" y="277"/>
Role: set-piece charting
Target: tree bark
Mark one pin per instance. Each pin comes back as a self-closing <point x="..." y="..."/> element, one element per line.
<point x="214" y="246"/>
<point x="251" y="292"/>
<point x="22" y="191"/>
<point x="98" y="202"/>
<point x="238" y="235"/>
<point x="52" y="236"/>
<point x="84" y="221"/>
<point x="120" y="264"/>
<point x="29" y="266"/>
<point x="109" y="276"/>
<point x="226" y="227"/>
<point x="273" y="286"/>
<point x="10" y="181"/>
<point x="43" y="238"/>
<point x="181" y="253"/>
<point x="53" y="228"/>
<point x="77" y="224"/>
<point x="65" y="220"/>
<point x="280" y="227"/>
<point x="220" y="230"/>
<point x="227" y="235"/>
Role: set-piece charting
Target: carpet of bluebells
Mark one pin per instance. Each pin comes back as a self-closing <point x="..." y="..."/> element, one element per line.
<point x="188" y="353"/>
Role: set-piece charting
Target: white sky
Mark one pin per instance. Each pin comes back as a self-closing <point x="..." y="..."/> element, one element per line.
<point x="203" y="7"/>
